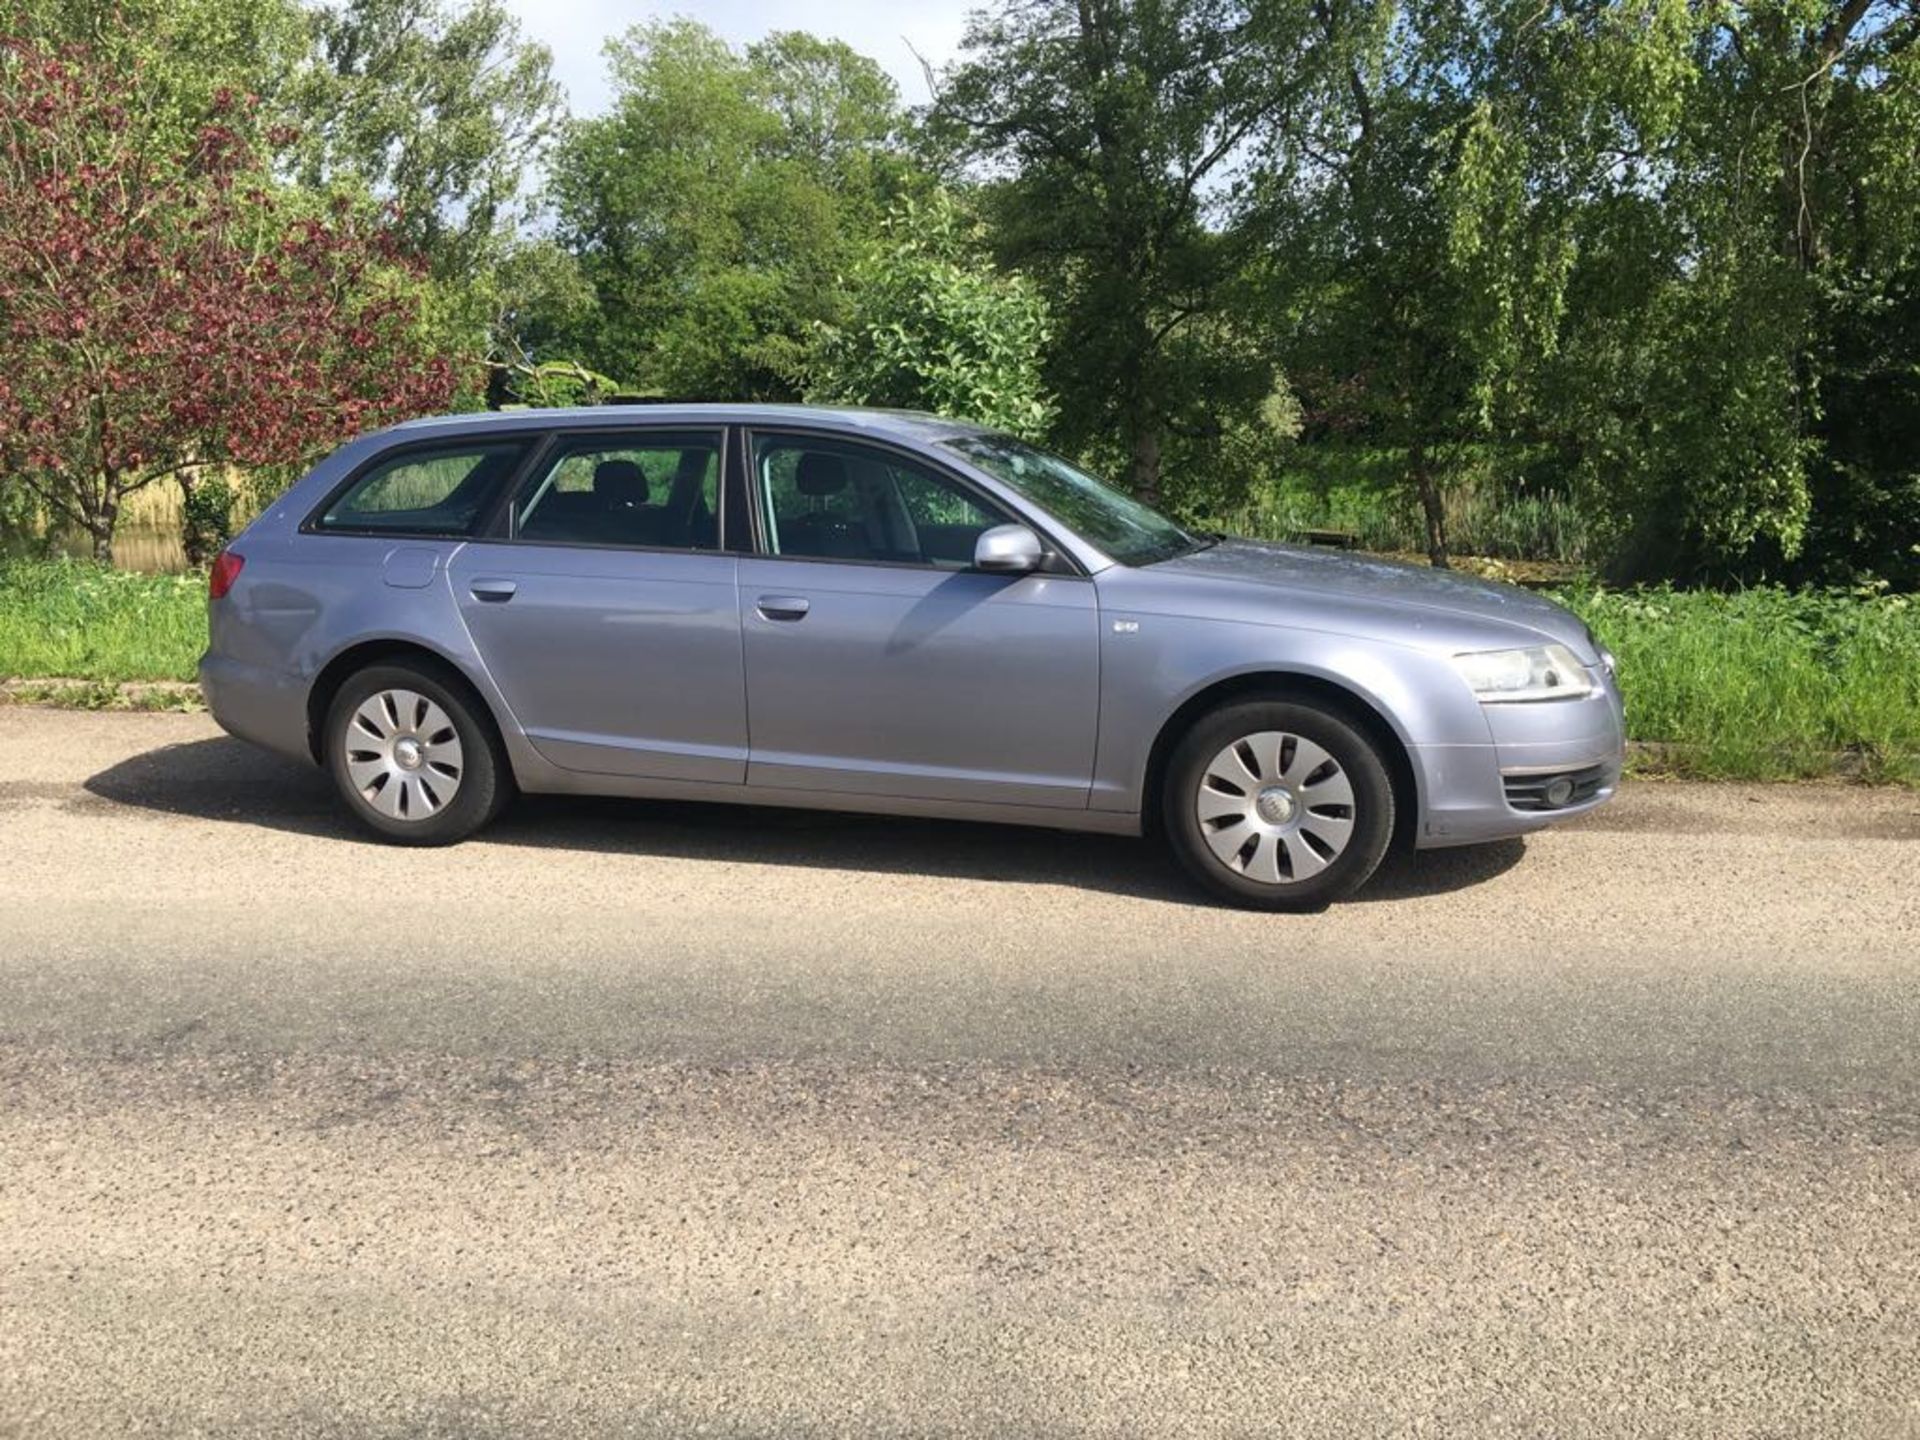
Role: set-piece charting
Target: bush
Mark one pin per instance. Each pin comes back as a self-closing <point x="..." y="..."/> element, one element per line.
<point x="206" y="518"/>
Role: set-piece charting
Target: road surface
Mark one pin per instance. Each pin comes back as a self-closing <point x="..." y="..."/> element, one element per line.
<point x="646" y="1120"/>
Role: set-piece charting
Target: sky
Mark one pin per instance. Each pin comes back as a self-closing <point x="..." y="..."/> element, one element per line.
<point x="888" y="30"/>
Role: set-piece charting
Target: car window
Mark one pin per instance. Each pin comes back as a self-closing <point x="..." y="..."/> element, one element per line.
<point x="1132" y="533"/>
<point x="658" y="491"/>
<point x="425" y="491"/>
<point x="829" y="500"/>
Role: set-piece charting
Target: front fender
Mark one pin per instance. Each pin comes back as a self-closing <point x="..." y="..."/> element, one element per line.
<point x="1155" y="665"/>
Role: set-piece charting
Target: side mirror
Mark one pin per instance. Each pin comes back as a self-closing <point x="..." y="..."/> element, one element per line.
<point x="1008" y="550"/>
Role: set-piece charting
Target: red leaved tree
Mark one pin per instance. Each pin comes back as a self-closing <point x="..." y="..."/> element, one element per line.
<point x="164" y="305"/>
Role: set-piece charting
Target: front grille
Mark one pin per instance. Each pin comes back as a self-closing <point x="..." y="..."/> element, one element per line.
<point x="1529" y="792"/>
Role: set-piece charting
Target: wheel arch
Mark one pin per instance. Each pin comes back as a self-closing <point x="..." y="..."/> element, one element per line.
<point x="382" y="650"/>
<point x="1363" y="711"/>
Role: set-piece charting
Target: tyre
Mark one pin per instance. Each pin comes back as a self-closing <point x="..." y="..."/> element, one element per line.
<point x="1278" y="805"/>
<point x="414" y="757"/>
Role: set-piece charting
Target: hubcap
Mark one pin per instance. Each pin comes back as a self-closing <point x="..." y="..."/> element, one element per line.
<point x="1275" y="807"/>
<point x="403" y="755"/>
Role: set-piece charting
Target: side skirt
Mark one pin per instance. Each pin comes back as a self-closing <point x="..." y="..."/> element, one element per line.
<point x="552" y="781"/>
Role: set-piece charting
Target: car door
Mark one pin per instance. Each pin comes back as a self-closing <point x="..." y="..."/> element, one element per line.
<point x="879" y="662"/>
<point x="608" y="614"/>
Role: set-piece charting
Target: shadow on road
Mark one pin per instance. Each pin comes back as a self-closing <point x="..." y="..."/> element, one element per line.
<point x="223" y="779"/>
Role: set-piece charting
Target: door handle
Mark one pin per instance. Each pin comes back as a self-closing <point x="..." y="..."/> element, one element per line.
<point x="783" y="607"/>
<point x="495" y="592"/>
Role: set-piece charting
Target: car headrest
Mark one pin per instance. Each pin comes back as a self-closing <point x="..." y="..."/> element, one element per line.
<point x="820" y="473"/>
<point x="620" y="483"/>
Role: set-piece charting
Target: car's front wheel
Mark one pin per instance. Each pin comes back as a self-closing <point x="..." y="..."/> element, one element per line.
<point x="1278" y="805"/>
<point x="411" y="757"/>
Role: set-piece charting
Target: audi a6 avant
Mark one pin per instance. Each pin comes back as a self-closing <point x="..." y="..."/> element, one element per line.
<point x="887" y="612"/>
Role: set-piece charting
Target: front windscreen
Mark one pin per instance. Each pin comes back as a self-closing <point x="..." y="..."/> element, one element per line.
<point x="1117" y="524"/>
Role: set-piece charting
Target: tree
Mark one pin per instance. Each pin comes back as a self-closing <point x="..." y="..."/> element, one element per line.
<point x="439" y="110"/>
<point x="1635" y="249"/>
<point x="166" y="310"/>
<point x="434" y="107"/>
<point x="931" y="325"/>
<point x="187" y="51"/>
<point x="1116" y="134"/>
<point x="715" y="206"/>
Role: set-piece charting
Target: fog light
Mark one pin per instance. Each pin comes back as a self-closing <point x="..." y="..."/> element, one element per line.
<point x="1560" y="791"/>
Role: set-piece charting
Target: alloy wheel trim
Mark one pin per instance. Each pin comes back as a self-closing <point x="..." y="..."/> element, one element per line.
<point x="1275" y="807"/>
<point x="403" y="755"/>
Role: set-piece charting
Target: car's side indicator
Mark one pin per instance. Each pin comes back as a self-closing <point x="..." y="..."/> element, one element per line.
<point x="1126" y="627"/>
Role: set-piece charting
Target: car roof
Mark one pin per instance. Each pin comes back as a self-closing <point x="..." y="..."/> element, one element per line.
<point x="897" y="424"/>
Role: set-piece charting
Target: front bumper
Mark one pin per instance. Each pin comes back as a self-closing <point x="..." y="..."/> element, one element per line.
<point x="1474" y="793"/>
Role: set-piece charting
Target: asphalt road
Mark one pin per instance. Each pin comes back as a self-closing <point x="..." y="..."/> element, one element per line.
<point x="668" y="1121"/>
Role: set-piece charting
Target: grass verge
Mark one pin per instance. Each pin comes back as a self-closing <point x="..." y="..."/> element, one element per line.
<point x="73" y="620"/>
<point x="1761" y="684"/>
<point x="1766" y="684"/>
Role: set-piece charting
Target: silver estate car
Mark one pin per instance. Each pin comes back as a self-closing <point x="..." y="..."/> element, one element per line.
<point x="861" y="610"/>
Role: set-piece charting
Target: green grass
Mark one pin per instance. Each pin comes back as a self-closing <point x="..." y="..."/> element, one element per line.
<point x="1759" y="684"/>
<point x="1767" y="683"/>
<point x="75" y="620"/>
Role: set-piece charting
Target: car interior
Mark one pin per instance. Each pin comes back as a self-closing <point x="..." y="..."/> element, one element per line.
<point x="845" y="503"/>
<point x="663" y="497"/>
<point x="822" y="500"/>
<point x="437" y="493"/>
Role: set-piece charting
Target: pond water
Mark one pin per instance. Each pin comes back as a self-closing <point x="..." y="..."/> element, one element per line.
<point x="150" y="549"/>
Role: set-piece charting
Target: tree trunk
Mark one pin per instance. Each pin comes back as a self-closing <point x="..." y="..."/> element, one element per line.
<point x="1143" y="466"/>
<point x="1427" y="486"/>
<point x="100" y="526"/>
<point x="196" y="543"/>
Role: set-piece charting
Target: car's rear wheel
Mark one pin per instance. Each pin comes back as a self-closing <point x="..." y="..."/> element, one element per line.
<point x="1278" y="805"/>
<point x="412" y="758"/>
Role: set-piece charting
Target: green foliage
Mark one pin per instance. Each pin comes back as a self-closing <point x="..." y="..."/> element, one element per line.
<point x="1353" y="490"/>
<point x="715" y="206"/>
<point x="206" y="516"/>
<point x="438" y="110"/>
<point x="188" y="51"/>
<point x="1767" y="683"/>
<point x="1113" y="132"/>
<point x="539" y="302"/>
<point x="1643" y="236"/>
<point x="435" y="107"/>
<point x="1703" y="461"/>
<point x="555" y="383"/>
<point x="72" y="619"/>
<point x="930" y="325"/>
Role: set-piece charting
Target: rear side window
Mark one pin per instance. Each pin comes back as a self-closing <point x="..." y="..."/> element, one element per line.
<point x="644" y="489"/>
<point x="425" y="491"/>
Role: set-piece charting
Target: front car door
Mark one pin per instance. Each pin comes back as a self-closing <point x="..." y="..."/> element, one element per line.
<point x="606" y="610"/>
<point x="880" y="663"/>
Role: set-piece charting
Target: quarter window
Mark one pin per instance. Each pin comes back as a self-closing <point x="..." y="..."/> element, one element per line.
<point x="656" y="491"/>
<point x="826" y="500"/>
<point x="425" y="491"/>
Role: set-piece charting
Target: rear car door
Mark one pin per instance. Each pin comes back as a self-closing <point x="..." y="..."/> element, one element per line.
<point x="879" y="662"/>
<point x="607" y="612"/>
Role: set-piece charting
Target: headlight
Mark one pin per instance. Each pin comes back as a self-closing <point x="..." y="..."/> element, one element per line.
<point x="1542" y="672"/>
